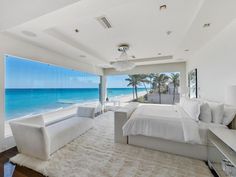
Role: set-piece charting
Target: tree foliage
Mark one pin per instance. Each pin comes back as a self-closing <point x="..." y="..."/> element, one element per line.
<point x="157" y="83"/>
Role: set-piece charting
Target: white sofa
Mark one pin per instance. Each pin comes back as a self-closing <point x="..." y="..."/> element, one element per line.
<point x="41" y="135"/>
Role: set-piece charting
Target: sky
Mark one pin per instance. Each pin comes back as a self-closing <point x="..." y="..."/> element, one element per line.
<point x="22" y="73"/>
<point x="117" y="81"/>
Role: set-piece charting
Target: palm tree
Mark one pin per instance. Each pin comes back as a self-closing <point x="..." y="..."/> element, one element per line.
<point x="159" y="81"/>
<point x="134" y="81"/>
<point x="131" y="83"/>
<point x="174" y="77"/>
<point x="151" y="78"/>
<point x="144" y="80"/>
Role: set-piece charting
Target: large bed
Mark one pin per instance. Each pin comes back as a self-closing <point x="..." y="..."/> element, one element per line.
<point x="162" y="127"/>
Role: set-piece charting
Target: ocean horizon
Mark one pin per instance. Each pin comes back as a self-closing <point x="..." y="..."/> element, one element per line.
<point x="26" y="101"/>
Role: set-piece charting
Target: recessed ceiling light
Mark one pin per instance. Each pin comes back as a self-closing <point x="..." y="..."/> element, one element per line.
<point x="168" y="32"/>
<point x="206" y="25"/>
<point x="186" y="50"/>
<point x="163" y="7"/>
<point x="82" y="56"/>
<point x="76" y="30"/>
<point x="28" y="33"/>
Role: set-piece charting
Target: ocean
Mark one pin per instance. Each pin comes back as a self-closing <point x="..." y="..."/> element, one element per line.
<point x="22" y="102"/>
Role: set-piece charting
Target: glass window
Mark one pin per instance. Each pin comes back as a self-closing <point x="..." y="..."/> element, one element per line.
<point x="34" y="87"/>
<point x="119" y="85"/>
<point x="161" y="88"/>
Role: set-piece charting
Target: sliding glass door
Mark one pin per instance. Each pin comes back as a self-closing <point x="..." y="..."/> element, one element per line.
<point x="32" y="87"/>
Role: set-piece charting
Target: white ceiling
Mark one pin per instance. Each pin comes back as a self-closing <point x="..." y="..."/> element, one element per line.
<point x="139" y="23"/>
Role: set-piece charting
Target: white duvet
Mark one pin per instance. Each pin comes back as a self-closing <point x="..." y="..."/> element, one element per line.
<point x="163" y="121"/>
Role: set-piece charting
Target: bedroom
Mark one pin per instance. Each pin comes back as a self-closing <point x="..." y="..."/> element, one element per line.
<point x="165" y="37"/>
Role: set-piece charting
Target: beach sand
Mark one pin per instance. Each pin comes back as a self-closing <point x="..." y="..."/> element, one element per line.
<point x="128" y="98"/>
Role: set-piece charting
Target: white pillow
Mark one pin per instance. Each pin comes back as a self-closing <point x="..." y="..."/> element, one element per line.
<point x="217" y="112"/>
<point x="205" y="113"/>
<point x="191" y="107"/>
<point x="229" y="114"/>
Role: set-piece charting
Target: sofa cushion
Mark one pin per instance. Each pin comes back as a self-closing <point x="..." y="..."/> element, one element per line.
<point x="67" y="130"/>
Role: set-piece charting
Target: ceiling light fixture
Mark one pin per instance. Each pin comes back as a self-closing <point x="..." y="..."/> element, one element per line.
<point x="159" y="53"/>
<point x="28" y="33"/>
<point x="163" y="7"/>
<point x="123" y="63"/>
<point x="206" y="25"/>
<point x="186" y="50"/>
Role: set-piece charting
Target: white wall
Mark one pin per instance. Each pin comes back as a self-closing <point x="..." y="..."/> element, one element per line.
<point x="155" y="68"/>
<point x="216" y="64"/>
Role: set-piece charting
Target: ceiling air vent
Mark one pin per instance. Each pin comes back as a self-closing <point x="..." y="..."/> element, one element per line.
<point x="104" y="22"/>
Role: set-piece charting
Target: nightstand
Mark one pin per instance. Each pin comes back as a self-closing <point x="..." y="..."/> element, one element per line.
<point x="222" y="151"/>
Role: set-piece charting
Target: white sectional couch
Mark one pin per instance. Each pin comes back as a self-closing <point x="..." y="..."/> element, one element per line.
<point x="41" y="135"/>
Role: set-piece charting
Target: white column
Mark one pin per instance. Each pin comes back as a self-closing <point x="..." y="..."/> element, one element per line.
<point x="2" y="96"/>
<point x="103" y="82"/>
<point x="183" y="82"/>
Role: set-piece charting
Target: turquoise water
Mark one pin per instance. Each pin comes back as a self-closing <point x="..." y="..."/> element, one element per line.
<point x="21" y="102"/>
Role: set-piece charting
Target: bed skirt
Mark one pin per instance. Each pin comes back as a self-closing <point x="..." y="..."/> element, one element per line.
<point x="196" y="151"/>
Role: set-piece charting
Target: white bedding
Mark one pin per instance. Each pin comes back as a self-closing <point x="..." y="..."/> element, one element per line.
<point x="165" y="121"/>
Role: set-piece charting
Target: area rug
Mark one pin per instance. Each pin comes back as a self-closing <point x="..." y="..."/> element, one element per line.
<point x="95" y="154"/>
